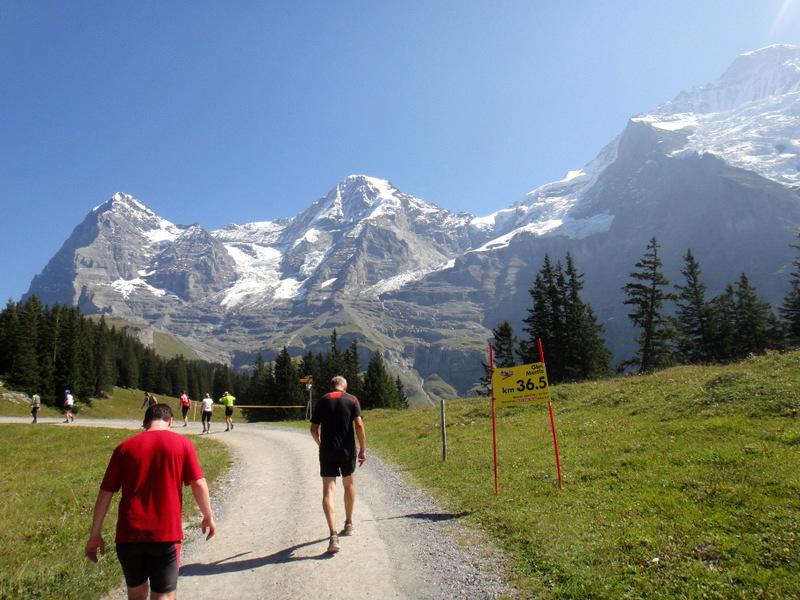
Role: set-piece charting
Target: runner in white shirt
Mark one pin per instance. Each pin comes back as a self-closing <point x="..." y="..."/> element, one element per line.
<point x="208" y="409"/>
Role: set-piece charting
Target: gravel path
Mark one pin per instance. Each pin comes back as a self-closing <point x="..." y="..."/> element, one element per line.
<point x="271" y="532"/>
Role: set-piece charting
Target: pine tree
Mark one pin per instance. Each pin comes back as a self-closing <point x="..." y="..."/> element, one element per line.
<point x="647" y="297"/>
<point x="506" y="348"/>
<point x="401" y="398"/>
<point x="756" y="325"/>
<point x="790" y="309"/>
<point x="25" y="373"/>
<point x="128" y="361"/>
<point x="545" y="317"/>
<point x="288" y="390"/>
<point x="309" y="367"/>
<point x="694" y="319"/>
<point x="9" y="323"/>
<point x="352" y="368"/>
<point x="566" y="326"/>
<point x="73" y="363"/>
<point x="334" y="362"/>
<point x="586" y="354"/>
<point x="257" y="392"/>
<point x="724" y="333"/>
<point x="380" y="391"/>
<point x="148" y="372"/>
<point x="506" y="345"/>
<point x="222" y="381"/>
<point x="178" y="375"/>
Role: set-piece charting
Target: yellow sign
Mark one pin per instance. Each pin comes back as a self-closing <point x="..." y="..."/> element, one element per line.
<point x="517" y="386"/>
<point x="306" y="380"/>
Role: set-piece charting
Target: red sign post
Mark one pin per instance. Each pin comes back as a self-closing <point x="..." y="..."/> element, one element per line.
<point x="518" y="386"/>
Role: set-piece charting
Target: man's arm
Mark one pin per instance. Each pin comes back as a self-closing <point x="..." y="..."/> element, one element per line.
<point x="315" y="433"/>
<point x="361" y="434"/>
<point x="96" y="541"/>
<point x="201" y="496"/>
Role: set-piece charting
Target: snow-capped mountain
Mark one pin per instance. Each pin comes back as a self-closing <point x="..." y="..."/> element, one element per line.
<point x="314" y="251"/>
<point x="748" y="118"/>
<point x="717" y="170"/>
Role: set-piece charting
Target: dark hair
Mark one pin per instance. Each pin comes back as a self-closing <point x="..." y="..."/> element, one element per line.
<point x="158" y="412"/>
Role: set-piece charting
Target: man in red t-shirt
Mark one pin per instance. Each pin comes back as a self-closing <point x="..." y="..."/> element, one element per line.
<point x="150" y="469"/>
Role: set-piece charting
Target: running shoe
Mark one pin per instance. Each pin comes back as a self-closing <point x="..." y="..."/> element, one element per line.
<point x="348" y="529"/>
<point x="333" y="545"/>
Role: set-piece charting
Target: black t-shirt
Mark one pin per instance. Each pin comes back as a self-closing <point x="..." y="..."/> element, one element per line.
<point x="335" y="413"/>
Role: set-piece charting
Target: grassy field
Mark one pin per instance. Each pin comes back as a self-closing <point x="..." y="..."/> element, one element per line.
<point x="681" y="484"/>
<point x="49" y="478"/>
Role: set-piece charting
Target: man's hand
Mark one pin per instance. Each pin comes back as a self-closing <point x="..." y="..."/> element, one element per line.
<point x="94" y="544"/>
<point x="362" y="456"/>
<point x="208" y="523"/>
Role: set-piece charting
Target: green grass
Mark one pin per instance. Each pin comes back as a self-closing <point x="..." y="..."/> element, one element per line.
<point x="164" y="344"/>
<point x="682" y="484"/>
<point x="49" y="479"/>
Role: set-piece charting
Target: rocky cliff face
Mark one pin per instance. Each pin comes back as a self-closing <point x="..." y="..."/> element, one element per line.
<point x="715" y="170"/>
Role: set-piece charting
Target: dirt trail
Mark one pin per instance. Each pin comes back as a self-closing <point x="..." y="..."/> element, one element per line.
<point x="272" y="537"/>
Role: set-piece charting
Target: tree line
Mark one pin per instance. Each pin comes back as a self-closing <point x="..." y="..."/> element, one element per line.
<point x="676" y="323"/>
<point x="47" y="350"/>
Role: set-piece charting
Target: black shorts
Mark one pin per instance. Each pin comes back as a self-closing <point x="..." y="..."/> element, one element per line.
<point x="333" y="468"/>
<point x="206" y="416"/>
<point x="184" y="410"/>
<point x="157" y="562"/>
<point x="228" y="411"/>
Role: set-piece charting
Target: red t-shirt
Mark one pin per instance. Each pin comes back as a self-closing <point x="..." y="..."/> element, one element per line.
<point x="150" y="468"/>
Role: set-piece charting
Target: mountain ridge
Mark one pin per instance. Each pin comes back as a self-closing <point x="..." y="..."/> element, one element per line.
<point x="424" y="285"/>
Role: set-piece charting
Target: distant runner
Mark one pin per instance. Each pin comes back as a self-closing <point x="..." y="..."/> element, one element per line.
<point x="36" y="403"/>
<point x="208" y="410"/>
<point x="227" y="401"/>
<point x="185" y="404"/>
<point x="149" y="400"/>
<point x="69" y="402"/>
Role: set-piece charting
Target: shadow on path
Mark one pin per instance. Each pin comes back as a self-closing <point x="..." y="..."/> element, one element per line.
<point x="433" y="517"/>
<point x="225" y="566"/>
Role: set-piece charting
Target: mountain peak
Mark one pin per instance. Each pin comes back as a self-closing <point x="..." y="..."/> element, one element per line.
<point x="754" y="76"/>
<point x="356" y="194"/>
<point x="125" y="210"/>
<point x="122" y="201"/>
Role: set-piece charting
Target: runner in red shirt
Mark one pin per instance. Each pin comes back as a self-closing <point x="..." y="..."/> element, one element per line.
<point x="150" y="469"/>
<point x="185" y="404"/>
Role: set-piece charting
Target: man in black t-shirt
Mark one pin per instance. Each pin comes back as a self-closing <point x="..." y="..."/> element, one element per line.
<point x="338" y="414"/>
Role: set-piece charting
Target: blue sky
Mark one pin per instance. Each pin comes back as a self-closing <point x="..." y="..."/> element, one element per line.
<point x="241" y="111"/>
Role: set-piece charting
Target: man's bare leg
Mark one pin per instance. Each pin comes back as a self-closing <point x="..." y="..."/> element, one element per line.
<point x="139" y="592"/>
<point x="329" y="502"/>
<point x="349" y="497"/>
